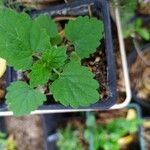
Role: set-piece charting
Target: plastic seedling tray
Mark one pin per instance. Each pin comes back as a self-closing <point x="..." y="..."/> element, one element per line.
<point x="131" y="59"/>
<point x="101" y="8"/>
<point x="52" y="122"/>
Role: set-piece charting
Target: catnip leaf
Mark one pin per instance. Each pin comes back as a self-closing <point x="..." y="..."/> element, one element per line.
<point x="85" y="33"/>
<point x="22" y="99"/>
<point x="42" y="70"/>
<point x="75" y="86"/>
<point x="55" y="57"/>
<point x="51" y="28"/>
<point x="20" y="37"/>
<point x="39" y="39"/>
<point x="39" y="74"/>
<point x="12" y="35"/>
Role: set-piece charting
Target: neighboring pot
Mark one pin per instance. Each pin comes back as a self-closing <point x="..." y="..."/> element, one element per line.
<point x="144" y="74"/>
<point x="101" y="9"/>
<point x="53" y="121"/>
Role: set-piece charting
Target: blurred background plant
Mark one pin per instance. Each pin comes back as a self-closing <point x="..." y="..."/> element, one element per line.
<point x="68" y="139"/>
<point x="132" y="25"/>
<point x="109" y="136"/>
<point x="7" y="143"/>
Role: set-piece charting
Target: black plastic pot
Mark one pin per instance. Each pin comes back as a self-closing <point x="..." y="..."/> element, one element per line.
<point x="143" y="103"/>
<point x="101" y="9"/>
<point x="2" y="125"/>
<point x="53" y="121"/>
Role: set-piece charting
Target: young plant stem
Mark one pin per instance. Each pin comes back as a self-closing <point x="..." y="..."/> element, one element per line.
<point x="57" y="72"/>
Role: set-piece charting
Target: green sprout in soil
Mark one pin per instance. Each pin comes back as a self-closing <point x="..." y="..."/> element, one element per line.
<point x="36" y="48"/>
<point x="69" y="139"/>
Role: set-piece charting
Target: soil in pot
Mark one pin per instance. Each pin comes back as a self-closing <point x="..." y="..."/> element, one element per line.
<point x="143" y="8"/>
<point x="26" y="131"/>
<point x="140" y="75"/>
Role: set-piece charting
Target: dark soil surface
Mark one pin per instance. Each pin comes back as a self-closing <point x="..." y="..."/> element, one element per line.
<point x="27" y="132"/>
<point x="144" y="8"/>
<point x="140" y="76"/>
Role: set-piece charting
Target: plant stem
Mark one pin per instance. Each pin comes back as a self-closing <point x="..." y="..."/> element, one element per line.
<point x="57" y="72"/>
<point x="37" y="56"/>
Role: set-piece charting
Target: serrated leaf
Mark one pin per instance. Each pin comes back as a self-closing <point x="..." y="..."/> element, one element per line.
<point x="85" y="33"/>
<point x="21" y="99"/>
<point x="51" y="28"/>
<point x="39" y="74"/>
<point x="20" y="37"/>
<point x="12" y="35"/>
<point x="55" y="57"/>
<point x="39" y="39"/>
<point x="75" y="86"/>
<point x="42" y="70"/>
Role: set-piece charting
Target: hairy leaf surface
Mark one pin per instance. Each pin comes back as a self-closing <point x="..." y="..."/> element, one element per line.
<point x="75" y="86"/>
<point x="42" y="70"/>
<point x="20" y="37"/>
<point x="21" y="99"/>
<point x="85" y="33"/>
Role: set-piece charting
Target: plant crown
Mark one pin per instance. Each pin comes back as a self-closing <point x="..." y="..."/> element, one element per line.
<point x="36" y="48"/>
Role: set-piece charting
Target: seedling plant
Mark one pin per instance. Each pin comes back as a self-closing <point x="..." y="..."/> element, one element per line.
<point x="36" y="48"/>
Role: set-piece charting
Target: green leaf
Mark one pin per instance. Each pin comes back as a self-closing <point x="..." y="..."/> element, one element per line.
<point x="39" y="39"/>
<point x="144" y="33"/>
<point x="138" y="23"/>
<point x="75" y="86"/>
<point x="12" y="35"/>
<point x="55" y="57"/>
<point x="42" y="70"/>
<point x="20" y="37"/>
<point x="39" y="74"/>
<point x="51" y="28"/>
<point x="85" y="33"/>
<point x="74" y="56"/>
<point x="21" y="99"/>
